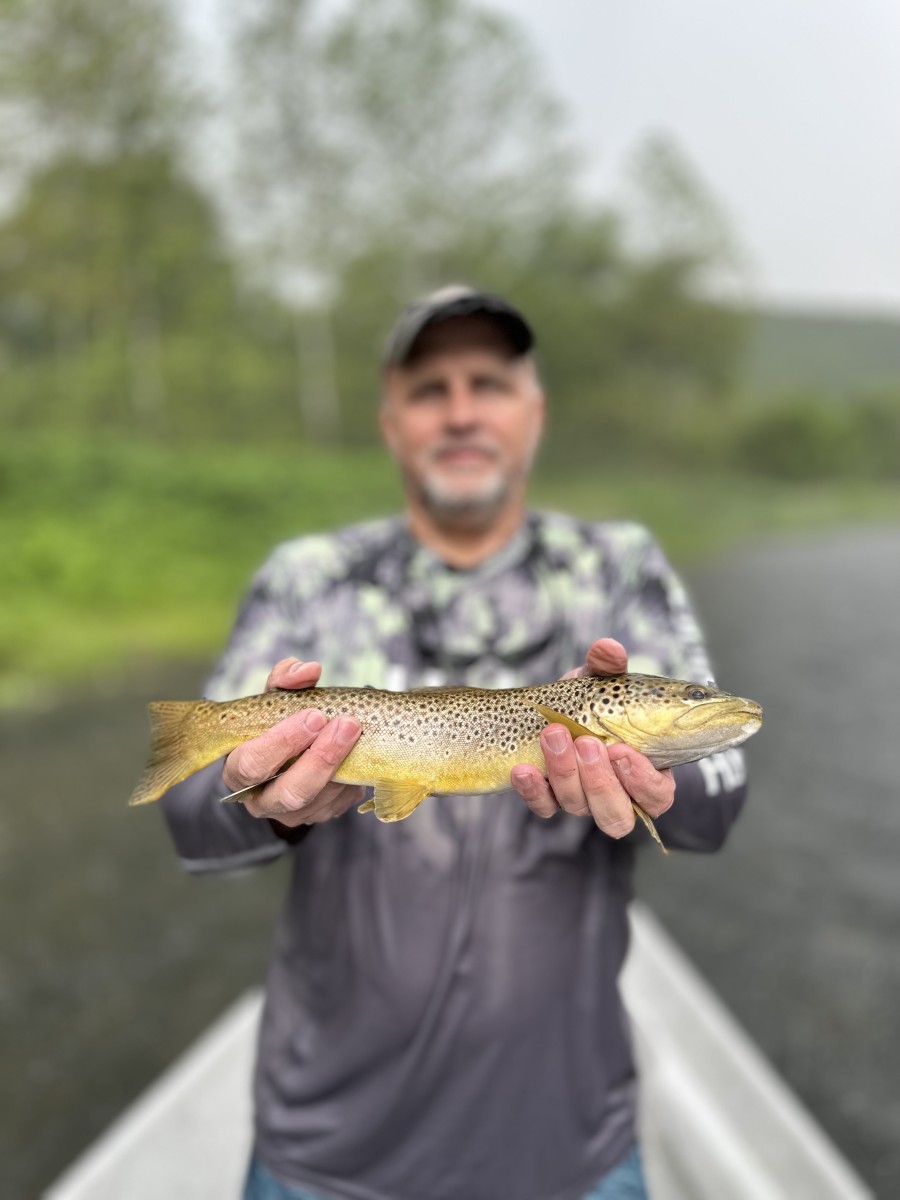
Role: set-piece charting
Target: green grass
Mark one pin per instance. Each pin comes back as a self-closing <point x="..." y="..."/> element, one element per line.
<point x="698" y="514"/>
<point x="117" y="553"/>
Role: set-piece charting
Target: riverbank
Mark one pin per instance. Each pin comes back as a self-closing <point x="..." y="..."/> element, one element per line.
<point x="118" y="554"/>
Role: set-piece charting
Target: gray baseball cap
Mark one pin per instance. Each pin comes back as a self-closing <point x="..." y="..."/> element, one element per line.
<point x="457" y="300"/>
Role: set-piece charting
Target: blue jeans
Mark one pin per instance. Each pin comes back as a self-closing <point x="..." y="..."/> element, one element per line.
<point x="624" y="1182"/>
<point x="262" y="1185"/>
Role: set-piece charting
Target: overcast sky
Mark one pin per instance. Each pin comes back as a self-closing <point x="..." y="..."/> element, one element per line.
<point x="789" y="109"/>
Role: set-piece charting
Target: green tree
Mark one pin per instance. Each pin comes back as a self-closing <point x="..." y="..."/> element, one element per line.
<point x="633" y="350"/>
<point x="119" y="305"/>
<point x="95" y="111"/>
<point x="672" y="215"/>
<point x="121" y="308"/>
<point x="810" y="436"/>
<point x="400" y="124"/>
<point x="99" y="80"/>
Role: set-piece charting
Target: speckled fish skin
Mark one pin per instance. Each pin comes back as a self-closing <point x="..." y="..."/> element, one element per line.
<point x="456" y="739"/>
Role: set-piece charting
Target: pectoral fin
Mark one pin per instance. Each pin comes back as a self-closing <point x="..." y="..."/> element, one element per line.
<point x="247" y="793"/>
<point x="576" y="729"/>
<point x="606" y="733"/>
<point x="253" y="789"/>
<point x="651" y="828"/>
<point x="395" y="801"/>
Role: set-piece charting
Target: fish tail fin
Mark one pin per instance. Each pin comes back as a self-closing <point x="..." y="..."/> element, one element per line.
<point x="174" y="754"/>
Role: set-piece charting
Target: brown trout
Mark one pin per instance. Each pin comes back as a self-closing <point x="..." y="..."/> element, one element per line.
<point x="448" y="740"/>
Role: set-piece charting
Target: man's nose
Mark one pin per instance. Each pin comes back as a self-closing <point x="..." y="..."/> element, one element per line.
<point x="461" y="407"/>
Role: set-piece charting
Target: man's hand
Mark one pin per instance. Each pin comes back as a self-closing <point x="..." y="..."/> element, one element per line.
<point x="305" y="793"/>
<point x="586" y="777"/>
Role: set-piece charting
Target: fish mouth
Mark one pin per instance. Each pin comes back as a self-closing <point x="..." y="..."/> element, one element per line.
<point x="744" y="712"/>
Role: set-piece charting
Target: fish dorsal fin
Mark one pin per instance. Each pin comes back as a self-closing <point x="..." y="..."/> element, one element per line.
<point x="395" y="801"/>
<point x="574" y="727"/>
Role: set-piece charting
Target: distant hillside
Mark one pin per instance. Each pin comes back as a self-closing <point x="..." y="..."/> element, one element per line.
<point x="833" y="352"/>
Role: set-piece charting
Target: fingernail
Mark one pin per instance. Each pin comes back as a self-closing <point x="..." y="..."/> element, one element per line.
<point x="522" y="781"/>
<point x="622" y="766"/>
<point x="297" y="666"/>
<point x="315" y="720"/>
<point x="347" y="729"/>
<point x="556" y="740"/>
<point x="587" y="749"/>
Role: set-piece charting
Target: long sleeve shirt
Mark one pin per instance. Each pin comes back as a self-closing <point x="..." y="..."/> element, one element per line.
<point x="442" y="1017"/>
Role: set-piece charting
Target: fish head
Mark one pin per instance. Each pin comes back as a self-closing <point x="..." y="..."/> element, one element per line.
<point x="672" y="720"/>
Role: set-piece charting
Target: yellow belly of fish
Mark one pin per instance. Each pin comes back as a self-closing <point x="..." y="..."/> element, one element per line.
<point x="404" y="774"/>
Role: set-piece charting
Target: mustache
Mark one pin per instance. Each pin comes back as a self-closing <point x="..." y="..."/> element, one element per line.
<point x="453" y="445"/>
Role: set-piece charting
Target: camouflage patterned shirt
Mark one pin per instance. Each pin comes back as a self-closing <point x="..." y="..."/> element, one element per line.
<point x="442" y="1018"/>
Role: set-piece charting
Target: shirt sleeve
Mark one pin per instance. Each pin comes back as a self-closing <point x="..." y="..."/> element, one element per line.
<point x="657" y="625"/>
<point x="209" y="835"/>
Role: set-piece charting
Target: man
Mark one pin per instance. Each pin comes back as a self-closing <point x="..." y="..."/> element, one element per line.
<point x="442" y="1020"/>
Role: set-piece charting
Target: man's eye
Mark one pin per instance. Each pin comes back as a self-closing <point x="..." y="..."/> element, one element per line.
<point x="489" y="383"/>
<point x="428" y="391"/>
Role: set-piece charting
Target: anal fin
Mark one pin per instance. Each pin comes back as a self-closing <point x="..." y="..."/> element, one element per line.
<point x="395" y="801"/>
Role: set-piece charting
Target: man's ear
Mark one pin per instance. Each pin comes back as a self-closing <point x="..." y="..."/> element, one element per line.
<point x="386" y="425"/>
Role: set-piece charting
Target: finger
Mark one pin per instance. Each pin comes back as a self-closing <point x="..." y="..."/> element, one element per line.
<point x="562" y="770"/>
<point x="262" y="757"/>
<point x="605" y="657"/>
<point x="534" y="790"/>
<point x="334" y="800"/>
<point x="607" y="800"/>
<point x="298" y="789"/>
<point x="652" y="790"/>
<point x="293" y="673"/>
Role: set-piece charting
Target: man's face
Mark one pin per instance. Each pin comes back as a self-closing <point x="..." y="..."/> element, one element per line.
<point x="463" y="419"/>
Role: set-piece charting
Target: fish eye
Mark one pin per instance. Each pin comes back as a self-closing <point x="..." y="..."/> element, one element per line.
<point x="697" y="693"/>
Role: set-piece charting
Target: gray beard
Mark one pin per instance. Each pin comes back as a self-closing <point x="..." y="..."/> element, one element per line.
<point x="475" y="509"/>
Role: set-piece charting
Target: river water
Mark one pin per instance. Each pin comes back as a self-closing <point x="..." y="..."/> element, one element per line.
<point x="113" y="961"/>
<point x="795" y="924"/>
